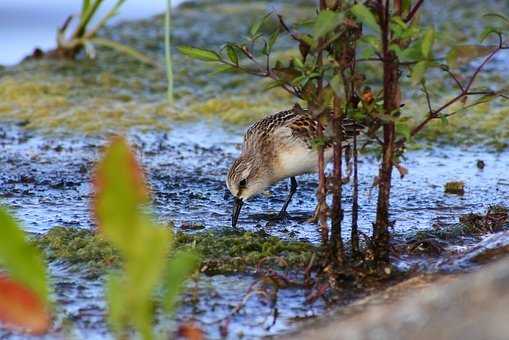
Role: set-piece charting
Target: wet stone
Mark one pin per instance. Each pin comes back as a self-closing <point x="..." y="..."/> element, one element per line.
<point x="456" y="188"/>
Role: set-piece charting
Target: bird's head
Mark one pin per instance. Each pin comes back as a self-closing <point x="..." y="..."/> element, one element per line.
<point x="245" y="179"/>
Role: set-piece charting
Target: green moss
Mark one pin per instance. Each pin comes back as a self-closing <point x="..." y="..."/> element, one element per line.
<point x="457" y="188"/>
<point x="79" y="247"/>
<point x="233" y="251"/>
<point x="115" y="92"/>
<point x="227" y="251"/>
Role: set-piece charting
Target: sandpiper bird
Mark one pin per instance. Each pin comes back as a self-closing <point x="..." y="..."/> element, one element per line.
<point x="277" y="147"/>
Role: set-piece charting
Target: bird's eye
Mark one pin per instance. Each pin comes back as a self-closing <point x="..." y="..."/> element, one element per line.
<point x="243" y="183"/>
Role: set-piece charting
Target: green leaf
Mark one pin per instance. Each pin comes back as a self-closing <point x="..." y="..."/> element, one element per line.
<point x="225" y="69"/>
<point x="232" y="54"/>
<point x="487" y="31"/>
<point x="403" y="129"/>
<point x="427" y="43"/>
<point x="368" y="52"/>
<point x="298" y="63"/>
<point x="179" y="269"/>
<point x="255" y="27"/>
<point x="412" y="52"/>
<point x="364" y="15"/>
<point x="451" y="57"/>
<point x="22" y="260"/>
<point x="406" y="5"/>
<point x="272" y="40"/>
<point x="85" y="5"/>
<point x="273" y="84"/>
<point x="444" y="120"/>
<point x="337" y="85"/>
<point x="372" y="41"/>
<point x="120" y="206"/>
<point x="199" y="53"/>
<point x="129" y="51"/>
<point x="418" y="72"/>
<point x="326" y="22"/>
<point x="399" y="22"/>
<point x="463" y="54"/>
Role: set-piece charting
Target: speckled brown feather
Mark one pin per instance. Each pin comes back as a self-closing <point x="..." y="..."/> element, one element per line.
<point x="302" y="125"/>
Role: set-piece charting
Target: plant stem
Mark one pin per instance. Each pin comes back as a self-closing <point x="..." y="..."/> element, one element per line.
<point x="337" y="211"/>
<point x="355" y="199"/>
<point x="322" y="192"/>
<point x="392" y="100"/>
<point x="85" y="19"/>
<point x="167" y="49"/>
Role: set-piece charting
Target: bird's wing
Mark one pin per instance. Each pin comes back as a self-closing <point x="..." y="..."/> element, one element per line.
<point x="294" y="127"/>
<point x="261" y="131"/>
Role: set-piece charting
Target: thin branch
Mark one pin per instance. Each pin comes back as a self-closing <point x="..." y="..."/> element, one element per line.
<point x="293" y="34"/>
<point x="264" y="71"/>
<point x="428" y="100"/>
<point x="446" y="69"/>
<point x="463" y="108"/>
<point x="488" y="58"/>
<point x="413" y="11"/>
<point x="463" y="93"/>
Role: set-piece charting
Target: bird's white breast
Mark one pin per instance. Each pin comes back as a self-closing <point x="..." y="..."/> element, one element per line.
<point x="293" y="157"/>
<point x="297" y="160"/>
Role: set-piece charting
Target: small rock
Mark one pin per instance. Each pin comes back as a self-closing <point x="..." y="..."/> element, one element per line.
<point x="192" y="226"/>
<point x="456" y="188"/>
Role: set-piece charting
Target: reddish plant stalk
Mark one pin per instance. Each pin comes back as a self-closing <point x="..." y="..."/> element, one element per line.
<point x="337" y="211"/>
<point x="392" y="99"/>
<point x="355" y="199"/>
<point x="321" y="193"/>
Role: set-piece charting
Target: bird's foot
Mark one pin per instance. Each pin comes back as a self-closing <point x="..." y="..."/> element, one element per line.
<point x="282" y="216"/>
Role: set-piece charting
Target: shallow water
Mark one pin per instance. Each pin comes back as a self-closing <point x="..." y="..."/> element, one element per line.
<point x="44" y="180"/>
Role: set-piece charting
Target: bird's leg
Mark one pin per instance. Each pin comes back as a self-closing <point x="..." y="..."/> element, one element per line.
<point x="293" y="189"/>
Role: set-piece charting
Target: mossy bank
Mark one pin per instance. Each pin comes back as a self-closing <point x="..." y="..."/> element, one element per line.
<point x="221" y="252"/>
<point x="114" y="92"/>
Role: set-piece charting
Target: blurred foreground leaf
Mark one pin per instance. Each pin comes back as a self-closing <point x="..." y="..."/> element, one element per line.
<point x="21" y="308"/>
<point x="120" y="203"/>
<point x="24" y="292"/>
<point x="22" y="261"/>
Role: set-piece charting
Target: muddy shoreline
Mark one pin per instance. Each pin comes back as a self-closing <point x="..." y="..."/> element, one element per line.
<point x="46" y="184"/>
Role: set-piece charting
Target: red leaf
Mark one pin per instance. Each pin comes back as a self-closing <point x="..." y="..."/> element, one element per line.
<point x="21" y="308"/>
<point x="190" y="331"/>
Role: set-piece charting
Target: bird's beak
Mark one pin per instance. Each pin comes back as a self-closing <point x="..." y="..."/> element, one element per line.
<point x="237" y="205"/>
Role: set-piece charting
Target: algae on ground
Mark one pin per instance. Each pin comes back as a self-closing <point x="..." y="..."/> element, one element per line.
<point x="456" y="188"/>
<point x="227" y="251"/>
<point x="78" y="246"/>
<point x="114" y="92"/>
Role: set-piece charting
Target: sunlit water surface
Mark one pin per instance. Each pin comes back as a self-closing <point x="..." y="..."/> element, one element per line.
<point x="44" y="180"/>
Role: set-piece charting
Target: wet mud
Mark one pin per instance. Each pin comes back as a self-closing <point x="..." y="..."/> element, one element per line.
<point x="44" y="181"/>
